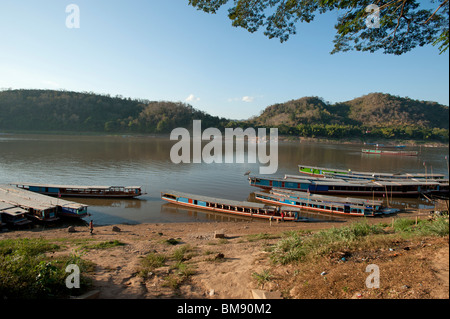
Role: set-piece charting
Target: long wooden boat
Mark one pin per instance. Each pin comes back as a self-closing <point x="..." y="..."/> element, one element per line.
<point x="382" y="145"/>
<point x="83" y="191"/>
<point x="13" y="215"/>
<point x="41" y="207"/>
<point x="386" y="152"/>
<point x="40" y="210"/>
<point x="239" y="208"/>
<point x="333" y="186"/>
<point x="316" y="171"/>
<point x="325" y="204"/>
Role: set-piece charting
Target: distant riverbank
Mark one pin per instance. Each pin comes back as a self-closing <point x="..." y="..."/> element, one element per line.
<point x="283" y="138"/>
<point x="356" y="141"/>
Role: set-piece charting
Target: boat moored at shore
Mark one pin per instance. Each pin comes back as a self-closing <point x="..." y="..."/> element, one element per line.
<point x="238" y="208"/>
<point x="316" y="171"/>
<point x="326" y="204"/>
<point x="13" y="216"/>
<point x="334" y="186"/>
<point x="41" y="207"/>
<point x="82" y="191"/>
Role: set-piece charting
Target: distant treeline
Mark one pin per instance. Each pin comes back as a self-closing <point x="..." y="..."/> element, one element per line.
<point x="375" y="115"/>
<point x="337" y="131"/>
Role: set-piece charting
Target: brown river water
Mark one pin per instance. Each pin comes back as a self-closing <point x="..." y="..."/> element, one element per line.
<point x="145" y="161"/>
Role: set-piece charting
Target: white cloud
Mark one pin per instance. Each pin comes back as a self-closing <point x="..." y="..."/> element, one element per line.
<point x="248" y="99"/>
<point x="192" y="98"/>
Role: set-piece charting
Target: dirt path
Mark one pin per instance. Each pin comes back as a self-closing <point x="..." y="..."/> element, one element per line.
<point x="440" y="265"/>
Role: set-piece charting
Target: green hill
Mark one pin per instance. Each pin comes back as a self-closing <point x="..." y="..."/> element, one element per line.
<point x="375" y="109"/>
<point x="375" y="115"/>
<point x="46" y="110"/>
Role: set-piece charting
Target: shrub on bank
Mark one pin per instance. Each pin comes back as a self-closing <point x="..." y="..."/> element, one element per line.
<point x="26" y="272"/>
<point x="297" y="247"/>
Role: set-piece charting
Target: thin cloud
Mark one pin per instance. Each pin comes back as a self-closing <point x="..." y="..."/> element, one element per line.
<point x="248" y="99"/>
<point x="192" y="98"/>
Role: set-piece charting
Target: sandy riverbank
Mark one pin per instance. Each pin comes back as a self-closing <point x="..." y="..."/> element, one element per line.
<point x="223" y="267"/>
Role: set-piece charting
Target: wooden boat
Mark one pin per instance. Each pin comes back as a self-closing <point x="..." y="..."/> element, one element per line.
<point x="326" y="204"/>
<point x="41" y="207"/>
<point x="334" y="186"/>
<point x="342" y="173"/>
<point x="13" y="215"/>
<point x="239" y="208"/>
<point x="82" y="191"/>
<point x="386" y="152"/>
<point x="37" y="209"/>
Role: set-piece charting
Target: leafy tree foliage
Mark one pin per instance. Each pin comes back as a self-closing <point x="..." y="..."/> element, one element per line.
<point x="395" y="27"/>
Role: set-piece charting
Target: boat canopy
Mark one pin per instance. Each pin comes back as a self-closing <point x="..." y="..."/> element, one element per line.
<point x="220" y="201"/>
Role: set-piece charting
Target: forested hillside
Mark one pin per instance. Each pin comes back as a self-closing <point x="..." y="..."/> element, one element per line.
<point x="375" y="115"/>
<point x="45" y="110"/>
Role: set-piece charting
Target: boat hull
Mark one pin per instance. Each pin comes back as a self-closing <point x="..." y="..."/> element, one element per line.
<point x="120" y="192"/>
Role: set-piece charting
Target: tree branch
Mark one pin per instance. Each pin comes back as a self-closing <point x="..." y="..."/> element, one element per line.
<point x="443" y="3"/>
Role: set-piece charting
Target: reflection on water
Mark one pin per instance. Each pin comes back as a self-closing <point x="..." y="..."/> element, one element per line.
<point x="145" y="161"/>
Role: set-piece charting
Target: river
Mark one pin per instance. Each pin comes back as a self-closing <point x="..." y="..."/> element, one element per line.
<point x="145" y="161"/>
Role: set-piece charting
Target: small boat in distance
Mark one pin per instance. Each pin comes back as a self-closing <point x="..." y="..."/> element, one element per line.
<point x="386" y="152"/>
<point x="238" y="208"/>
<point x="82" y="191"/>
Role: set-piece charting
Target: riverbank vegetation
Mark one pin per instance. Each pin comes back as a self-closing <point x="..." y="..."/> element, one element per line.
<point x="301" y="246"/>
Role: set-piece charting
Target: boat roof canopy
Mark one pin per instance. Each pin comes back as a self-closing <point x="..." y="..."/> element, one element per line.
<point x="360" y="201"/>
<point x="346" y="182"/>
<point x="317" y="202"/>
<point x="24" y="198"/>
<point x="218" y="200"/>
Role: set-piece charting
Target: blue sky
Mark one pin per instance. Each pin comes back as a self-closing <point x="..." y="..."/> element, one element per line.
<point x="167" y="50"/>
